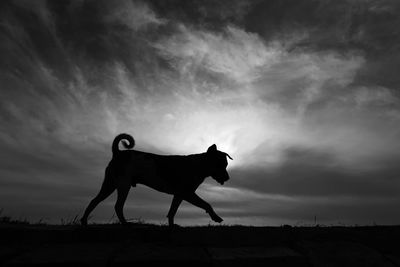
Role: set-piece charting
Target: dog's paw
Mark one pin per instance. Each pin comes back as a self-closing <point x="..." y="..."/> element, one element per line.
<point x="83" y="222"/>
<point x="219" y="220"/>
<point x="174" y="225"/>
<point x="216" y="218"/>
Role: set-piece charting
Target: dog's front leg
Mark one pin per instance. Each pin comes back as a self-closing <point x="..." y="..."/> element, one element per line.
<point x="199" y="202"/>
<point x="176" y="201"/>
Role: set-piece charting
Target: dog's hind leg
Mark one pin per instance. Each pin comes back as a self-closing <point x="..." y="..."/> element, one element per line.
<point x="123" y="190"/>
<point x="197" y="201"/>
<point x="176" y="201"/>
<point x="106" y="189"/>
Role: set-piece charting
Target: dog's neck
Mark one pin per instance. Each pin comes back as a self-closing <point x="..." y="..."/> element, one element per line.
<point x="204" y="167"/>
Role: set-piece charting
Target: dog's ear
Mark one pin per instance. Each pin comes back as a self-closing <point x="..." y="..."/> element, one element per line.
<point x="228" y="156"/>
<point x="212" y="148"/>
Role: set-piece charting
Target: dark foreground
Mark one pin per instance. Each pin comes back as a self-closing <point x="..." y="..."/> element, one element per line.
<point x="115" y="245"/>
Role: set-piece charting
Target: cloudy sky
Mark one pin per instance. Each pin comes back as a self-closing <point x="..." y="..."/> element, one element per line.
<point x="304" y="95"/>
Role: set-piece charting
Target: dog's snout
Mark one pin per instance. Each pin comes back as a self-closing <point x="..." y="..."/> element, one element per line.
<point x="226" y="176"/>
<point x="223" y="177"/>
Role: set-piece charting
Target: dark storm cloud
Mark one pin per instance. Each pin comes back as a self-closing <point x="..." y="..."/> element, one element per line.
<point x="306" y="172"/>
<point x="101" y="32"/>
<point x="210" y="14"/>
<point x="369" y="27"/>
<point x="303" y="94"/>
<point x="343" y="24"/>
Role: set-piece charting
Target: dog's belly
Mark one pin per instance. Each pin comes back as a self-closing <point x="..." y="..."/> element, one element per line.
<point x="144" y="171"/>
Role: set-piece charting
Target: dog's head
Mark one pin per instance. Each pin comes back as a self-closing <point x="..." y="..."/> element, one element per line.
<point x="218" y="163"/>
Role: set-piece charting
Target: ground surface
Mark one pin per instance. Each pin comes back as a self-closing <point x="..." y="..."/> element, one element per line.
<point x="137" y="245"/>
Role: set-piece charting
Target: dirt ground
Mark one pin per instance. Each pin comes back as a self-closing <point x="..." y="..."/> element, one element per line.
<point x="136" y="245"/>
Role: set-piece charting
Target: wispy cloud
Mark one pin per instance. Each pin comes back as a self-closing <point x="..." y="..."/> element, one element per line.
<point x="234" y="53"/>
<point x="136" y="15"/>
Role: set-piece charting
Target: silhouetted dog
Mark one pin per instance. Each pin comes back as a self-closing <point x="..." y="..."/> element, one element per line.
<point x="176" y="175"/>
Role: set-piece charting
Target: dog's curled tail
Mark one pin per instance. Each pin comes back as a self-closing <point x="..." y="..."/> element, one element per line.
<point x="128" y="142"/>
